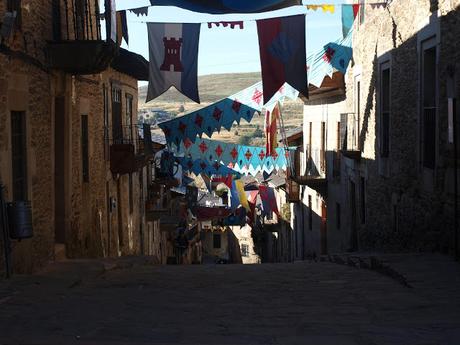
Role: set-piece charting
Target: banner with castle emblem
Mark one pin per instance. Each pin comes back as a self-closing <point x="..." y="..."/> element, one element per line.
<point x="173" y="51"/>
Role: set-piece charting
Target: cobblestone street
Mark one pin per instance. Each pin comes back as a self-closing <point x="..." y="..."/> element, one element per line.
<point x="130" y="302"/>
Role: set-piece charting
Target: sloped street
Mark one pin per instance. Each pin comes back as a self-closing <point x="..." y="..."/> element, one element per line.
<point x="130" y="301"/>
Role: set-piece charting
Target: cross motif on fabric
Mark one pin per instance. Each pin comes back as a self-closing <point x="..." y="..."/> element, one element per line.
<point x="248" y="154"/>
<point x="236" y="106"/>
<point x="182" y="127"/>
<point x="217" y="113"/>
<point x="203" y="147"/>
<point x="257" y="96"/>
<point x="219" y="151"/>
<point x="262" y="155"/>
<point x="172" y="55"/>
<point x="187" y="143"/>
<point x="275" y="154"/>
<point x="234" y="153"/>
<point x="328" y="55"/>
<point x="198" y="120"/>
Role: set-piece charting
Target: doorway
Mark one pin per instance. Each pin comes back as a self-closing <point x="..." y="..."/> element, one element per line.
<point x="353" y="222"/>
<point x="323" y="228"/>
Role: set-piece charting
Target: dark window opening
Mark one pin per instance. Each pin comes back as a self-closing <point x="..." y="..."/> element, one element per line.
<point x="117" y="125"/>
<point x="19" y="154"/>
<point x="429" y="107"/>
<point x="15" y="6"/>
<point x="385" y="113"/>
<point x="244" y="250"/>
<point x="310" y="214"/>
<point x="363" y="200"/>
<point x="84" y="148"/>
<point x="216" y="241"/>
<point x="337" y="215"/>
<point x="129" y="117"/>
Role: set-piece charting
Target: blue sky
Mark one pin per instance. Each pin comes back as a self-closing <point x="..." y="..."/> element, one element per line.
<point x="223" y="50"/>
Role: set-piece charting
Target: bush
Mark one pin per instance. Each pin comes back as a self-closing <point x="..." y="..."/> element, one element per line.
<point x="245" y="140"/>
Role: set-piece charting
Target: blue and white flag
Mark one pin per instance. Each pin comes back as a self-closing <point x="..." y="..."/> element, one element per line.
<point x="173" y="51"/>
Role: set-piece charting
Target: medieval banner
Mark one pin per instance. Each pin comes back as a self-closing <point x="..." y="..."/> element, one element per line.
<point x="173" y="51"/>
<point x="282" y="54"/>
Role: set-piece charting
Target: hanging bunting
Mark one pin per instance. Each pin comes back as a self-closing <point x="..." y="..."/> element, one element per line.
<point x="234" y="197"/>
<point x="202" y="166"/>
<point x="173" y="51"/>
<point x="334" y="56"/>
<point x="324" y="7"/>
<point x="232" y="25"/>
<point x="271" y="120"/>
<point x="239" y="185"/>
<point x="240" y="158"/>
<point x="206" y="120"/>
<point x="349" y="13"/>
<point x="282" y="54"/>
<point x="227" y="6"/>
<point x="227" y="180"/>
<point x="140" y="11"/>
<point x="122" y="27"/>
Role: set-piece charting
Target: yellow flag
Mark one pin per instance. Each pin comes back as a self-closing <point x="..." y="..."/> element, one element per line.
<point x="242" y="194"/>
<point x="328" y="8"/>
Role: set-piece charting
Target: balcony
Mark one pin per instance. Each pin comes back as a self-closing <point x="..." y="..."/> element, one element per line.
<point x="349" y="125"/>
<point x="129" y="151"/>
<point x="77" y="46"/>
<point x="314" y="172"/>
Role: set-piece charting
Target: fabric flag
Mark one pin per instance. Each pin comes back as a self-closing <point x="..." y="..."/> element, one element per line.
<point x="242" y="194"/>
<point x="272" y="200"/>
<point x="264" y="197"/>
<point x="232" y="25"/>
<point x="173" y="51"/>
<point x="122" y="27"/>
<point x="234" y="197"/>
<point x="227" y="6"/>
<point x="282" y="54"/>
<point x="271" y="119"/>
<point x="210" y="213"/>
<point x="140" y="11"/>
<point x="349" y="13"/>
<point x="227" y="180"/>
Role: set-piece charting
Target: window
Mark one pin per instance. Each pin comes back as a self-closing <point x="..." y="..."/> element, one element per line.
<point x="105" y="94"/>
<point x="19" y="154"/>
<point x="15" y="6"/>
<point x="323" y="147"/>
<point x="117" y="125"/>
<point x="244" y="250"/>
<point x="428" y="88"/>
<point x="131" y="198"/>
<point x="385" y="110"/>
<point x="337" y="216"/>
<point x="129" y="117"/>
<point x="363" y="200"/>
<point x="216" y="241"/>
<point x="84" y="148"/>
<point x="310" y="214"/>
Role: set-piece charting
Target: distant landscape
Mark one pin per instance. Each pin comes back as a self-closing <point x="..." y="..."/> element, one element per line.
<point x="213" y="88"/>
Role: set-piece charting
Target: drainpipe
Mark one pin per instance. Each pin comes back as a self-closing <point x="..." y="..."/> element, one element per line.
<point x="452" y="138"/>
<point x="4" y="227"/>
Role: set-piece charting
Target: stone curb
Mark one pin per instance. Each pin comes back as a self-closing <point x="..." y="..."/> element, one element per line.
<point x="369" y="262"/>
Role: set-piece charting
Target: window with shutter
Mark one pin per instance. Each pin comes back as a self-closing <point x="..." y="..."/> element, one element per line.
<point x="429" y="106"/>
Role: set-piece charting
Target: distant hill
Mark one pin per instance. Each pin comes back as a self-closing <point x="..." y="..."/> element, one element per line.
<point x="213" y="88"/>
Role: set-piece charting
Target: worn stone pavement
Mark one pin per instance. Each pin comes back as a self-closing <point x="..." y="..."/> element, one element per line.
<point x="131" y="302"/>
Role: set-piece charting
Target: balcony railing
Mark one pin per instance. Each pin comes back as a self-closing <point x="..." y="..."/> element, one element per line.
<point x="349" y="123"/>
<point x="77" y="46"/>
<point x="129" y="149"/>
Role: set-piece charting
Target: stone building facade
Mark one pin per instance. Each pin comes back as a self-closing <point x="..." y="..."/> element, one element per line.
<point x="56" y="132"/>
<point x="391" y="187"/>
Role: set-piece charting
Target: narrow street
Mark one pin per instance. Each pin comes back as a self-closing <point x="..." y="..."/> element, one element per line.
<point x="129" y="301"/>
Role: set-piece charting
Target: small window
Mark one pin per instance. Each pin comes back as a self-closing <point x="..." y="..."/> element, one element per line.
<point x="385" y="110"/>
<point x="19" y="154"/>
<point x="363" y="200"/>
<point x="244" y="250"/>
<point x="337" y="215"/>
<point x="216" y="241"/>
<point x="84" y="148"/>
<point x="131" y="197"/>
<point x="310" y="214"/>
<point x="129" y="117"/>
<point x="429" y="106"/>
